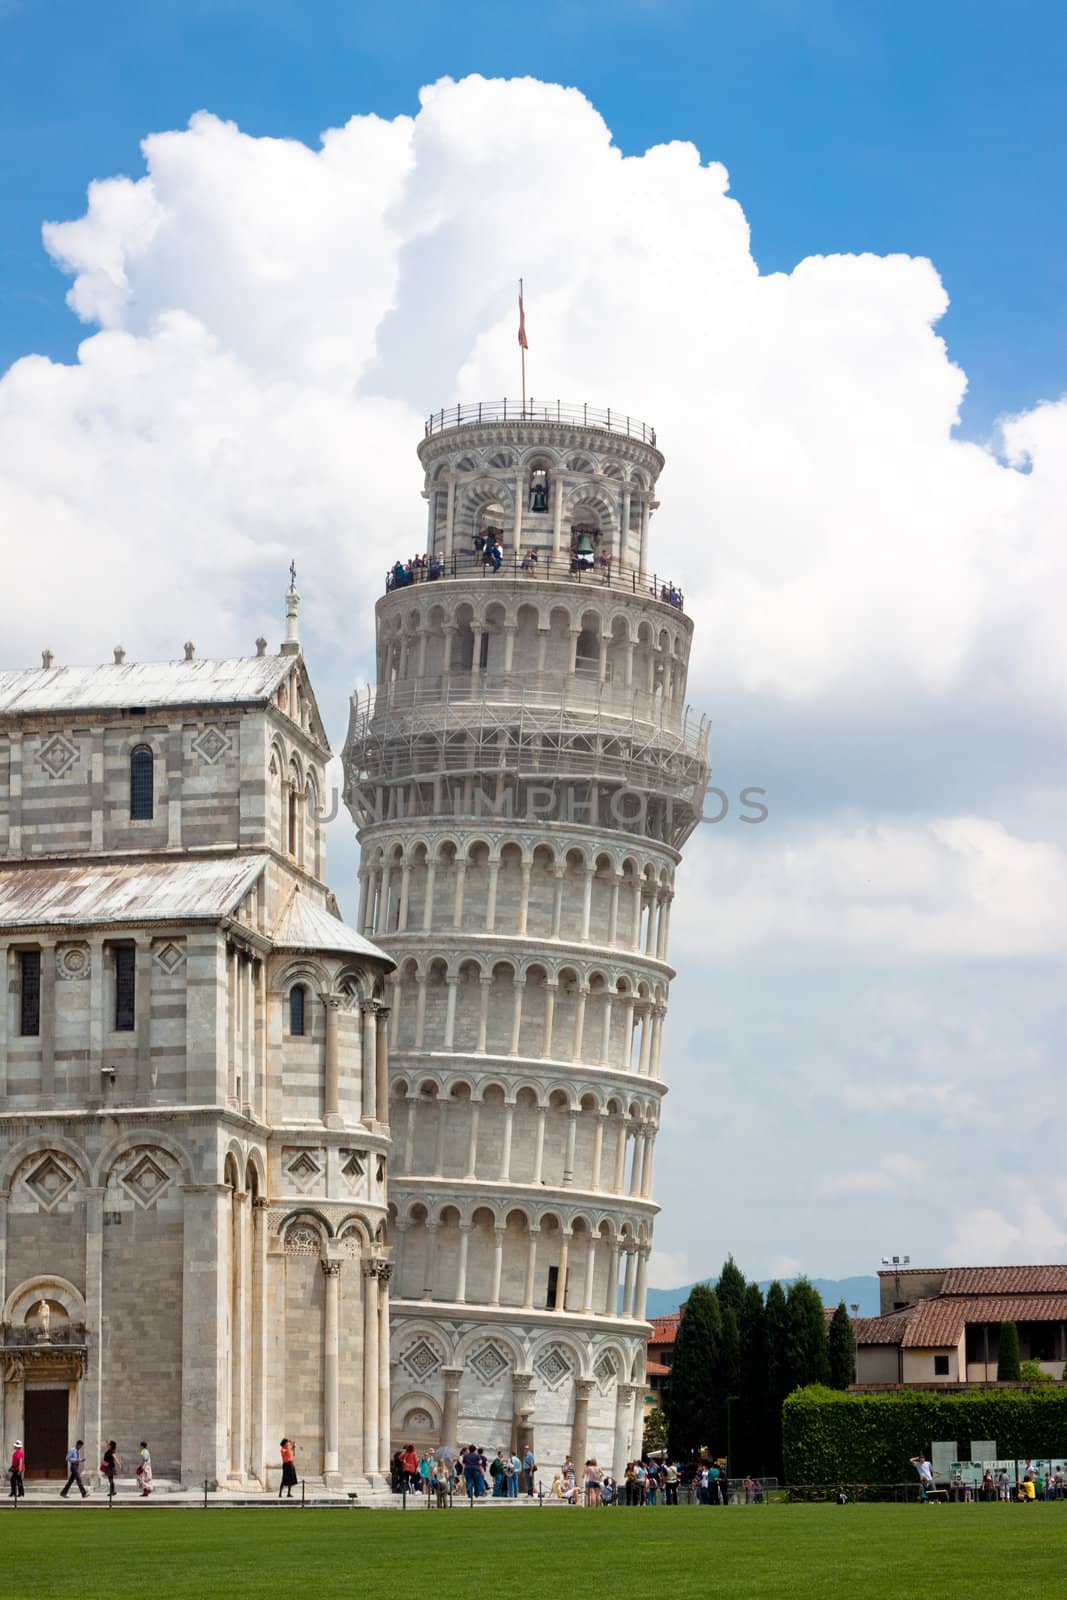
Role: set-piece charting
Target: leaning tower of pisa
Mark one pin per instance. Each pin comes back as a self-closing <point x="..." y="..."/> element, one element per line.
<point x="523" y="778"/>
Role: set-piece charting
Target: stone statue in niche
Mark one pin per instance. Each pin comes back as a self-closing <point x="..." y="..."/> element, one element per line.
<point x="44" y="1320"/>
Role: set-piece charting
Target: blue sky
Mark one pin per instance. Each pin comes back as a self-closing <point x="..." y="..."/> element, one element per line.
<point x="878" y="604"/>
<point x="933" y="129"/>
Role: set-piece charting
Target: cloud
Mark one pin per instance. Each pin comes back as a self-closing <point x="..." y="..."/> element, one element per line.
<point x="877" y="600"/>
<point x="895" y="1169"/>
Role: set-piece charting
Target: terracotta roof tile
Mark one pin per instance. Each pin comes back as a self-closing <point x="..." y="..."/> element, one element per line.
<point x="656" y="1369"/>
<point x="1005" y="1280"/>
<point x="882" y="1330"/>
<point x="939" y="1323"/>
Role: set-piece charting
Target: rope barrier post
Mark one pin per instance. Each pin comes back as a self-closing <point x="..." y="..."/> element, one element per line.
<point x="205" y="1494"/>
<point x="303" y="1489"/>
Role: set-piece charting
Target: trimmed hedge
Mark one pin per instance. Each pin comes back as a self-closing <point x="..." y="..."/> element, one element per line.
<point x="829" y="1436"/>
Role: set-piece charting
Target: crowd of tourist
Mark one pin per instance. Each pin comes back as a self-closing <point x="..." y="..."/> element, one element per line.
<point x="488" y="552"/>
<point x="470" y="1472"/>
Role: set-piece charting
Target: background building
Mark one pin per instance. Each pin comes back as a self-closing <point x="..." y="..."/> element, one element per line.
<point x="523" y="778"/>
<point x="194" y="1131"/>
<point x="941" y="1325"/>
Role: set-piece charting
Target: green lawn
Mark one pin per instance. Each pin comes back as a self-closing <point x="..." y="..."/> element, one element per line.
<point x="953" y="1552"/>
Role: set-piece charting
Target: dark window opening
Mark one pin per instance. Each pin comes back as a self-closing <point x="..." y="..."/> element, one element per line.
<point x="539" y="489"/>
<point x="555" y="1298"/>
<point x="483" y="654"/>
<point x="941" y="1366"/>
<point x="30" y="993"/>
<point x="292" y="822"/>
<point x="125" y="988"/>
<point x="142" y="798"/>
<point x="296" y="1011"/>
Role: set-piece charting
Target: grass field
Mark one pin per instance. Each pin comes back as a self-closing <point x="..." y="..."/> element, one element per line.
<point x="884" y="1551"/>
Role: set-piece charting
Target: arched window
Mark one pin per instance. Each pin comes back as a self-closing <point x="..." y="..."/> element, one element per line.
<point x="292" y="820"/>
<point x="297" y="1008"/>
<point x="539" y="489"/>
<point x="142" y="786"/>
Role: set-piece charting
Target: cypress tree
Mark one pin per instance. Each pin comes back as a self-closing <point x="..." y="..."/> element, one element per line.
<point x="778" y="1385"/>
<point x="1008" y="1365"/>
<point x="726" y="1384"/>
<point x="842" y="1349"/>
<point x="690" y="1400"/>
<point x="750" y="1413"/>
<point x="807" y="1353"/>
<point x="730" y="1288"/>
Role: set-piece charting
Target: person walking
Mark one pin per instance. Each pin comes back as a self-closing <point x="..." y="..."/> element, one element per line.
<point x="594" y="1477"/>
<point x="926" y="1474"/>
<point x="144" y="1471"/>
<point x="529" y="1469"/>
<point x="472" y="1470"/>
<point x="16" y="1472"/>
<point x="289" y="1480"/>
<point x="441" y="1480"/>
<point x="670" y="1484"/>
<point x="75" y="1463"/>
<point x="110" y="1465"/>
<point x="513" y="1472"/>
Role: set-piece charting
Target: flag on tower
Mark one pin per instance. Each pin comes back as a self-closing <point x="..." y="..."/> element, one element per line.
<point x="522" y="320"/>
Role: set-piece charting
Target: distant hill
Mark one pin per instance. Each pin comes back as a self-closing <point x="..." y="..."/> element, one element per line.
<point x="853" y="1291"/>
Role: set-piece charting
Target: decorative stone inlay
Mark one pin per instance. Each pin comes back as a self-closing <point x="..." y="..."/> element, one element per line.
<point x="169" y="956"/>
<point x="489" y="1362"/>
<point x="555" y="1366"/>
<point x="606" y="1369"/>
<point x="301" y="1240"/>
<point x="57" y="755"/>
<point x="420" y="1360"/>
<point x="304" y="1170"/>
<point x="418" y="1421"/>
<point x="351" y="1165"/>
<point x="212" y="744"/>
<point x="49" y="1183"/>
<point x="146" y="1181"/>
<point x="73" y="961"/>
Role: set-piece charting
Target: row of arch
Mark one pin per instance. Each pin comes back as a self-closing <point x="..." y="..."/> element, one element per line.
<point x="537" y="1136"/>
<point x="510" y="887"/>
<point x="295" y="807"/>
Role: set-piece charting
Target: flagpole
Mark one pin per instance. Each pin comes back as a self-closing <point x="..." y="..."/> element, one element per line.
<point x="522" y="355"/>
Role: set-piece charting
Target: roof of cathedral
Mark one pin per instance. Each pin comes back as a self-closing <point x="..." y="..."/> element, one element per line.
<point x="141" y="891"/>
<point x="306" y="925"/>
<point x="119" y="685"/>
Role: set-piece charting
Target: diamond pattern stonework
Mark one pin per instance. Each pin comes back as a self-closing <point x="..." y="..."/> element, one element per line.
<point x="212" y="744"/>
<point x="57" y="755"/>
<point x="49" y="1183"/>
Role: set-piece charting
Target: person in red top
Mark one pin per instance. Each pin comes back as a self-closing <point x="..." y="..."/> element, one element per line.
<point x="18" y="1467"/>
<point x="289" y="1478"/>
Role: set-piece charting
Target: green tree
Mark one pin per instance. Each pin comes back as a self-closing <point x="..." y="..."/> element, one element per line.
<point x="730" y="1288"/>
<point x="1034" y="1372"/>
<point x="655" y="1431"/>
<point x="1008" y="1365"/>
<point x="726" y="1382"/>
<point x="690" y="1398"/>
<point x="807" y="1353"/>
<point x="778" y="1385"/>
<point x="751" y="1411"/>
<point x="842" y="1349"/>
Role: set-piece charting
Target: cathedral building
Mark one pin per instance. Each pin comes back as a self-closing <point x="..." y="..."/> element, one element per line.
<point x="193" y="1080"/>
<point x="523" y="778"/>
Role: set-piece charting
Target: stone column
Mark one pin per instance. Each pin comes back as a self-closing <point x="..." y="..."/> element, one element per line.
<point x="561" y="1270"/>
<point x="568" y="1158"/>
<point x="644" y="533"/>
<point x="239" y="1340"/>
<point x="486" y="982"/>
<point x="472" y="1141"/>
<point x="427" y="1274"/>
<point x="620" y="1156"/>
<point x="539" y="1147"/>
<point x="590" y="1270"/>
<point x="452" y="984"/>
<point x="520" y="497"/>
<point x="369" y="1062"/>
<point x="657" y="1043"/>
<point x="557" y="515"/>
<point x="628" y="1283"/>
<point x="457" y="898"/>
<point x="94" y="1323"/>
<point x="605" y="1033"/>
<point x="638" y="1160"/>
<point x="383" y="900"/>
<point x="611" y="1299"/>
<point x="427" y="910"/>
<point x="550" y="1011"/>
<point x="439" y="1144"/>
<point x="385" y="1272"/>
<point x="331" y="1374"/>
<point x="450" y="516"/>
<point x="598" y="1148"/>
<point x="490" y="897"/>
<point x="522" y="1406"/>
<point x="205" y="1294"/>
<point x="641" y="1294"/>
<point x="461" y="1268"/>
<point x="624" y="1407"/>
<point x="498" y="1265"/>
<point x="46" y="1025"/>
<point x="579" y="1023"/>
<point x="531" y="1270"/>
<point x="664" y="926"/>
<point x="505" y="1158"/>
<point x="518" y="987"/>
<point x="405" y="889"/>
<point x="635" y="931"/>
<point x="583" y="1388"/>
<point x="509" y="646"/>
<point x="646" y="1041"/>
<point x="409" y="1139"/>
<point x="420" y="1009"/>
<point x="524" y="896"/>
<point x="624" y="529"/>
<point x="259" y="1341"/>
<point x="557" y="902"/>
<point x="331" y="1109"/>
<point x="650" y="931"/>
<point x="453" y="1377"/>
<point x="587" y="901"/>
<point x="381" y="1063"/>
<point x="613" y="909"/>
<point x="371" y="1365"/>
<point x="145" y="1063"/>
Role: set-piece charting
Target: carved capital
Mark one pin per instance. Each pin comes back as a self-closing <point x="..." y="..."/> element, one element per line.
<point x="331" y="1269"/>
<point x="583" y="1387"/>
